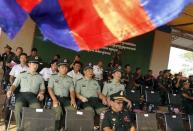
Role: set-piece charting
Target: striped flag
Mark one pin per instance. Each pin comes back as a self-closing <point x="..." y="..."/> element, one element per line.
<point x="89" y="24"/>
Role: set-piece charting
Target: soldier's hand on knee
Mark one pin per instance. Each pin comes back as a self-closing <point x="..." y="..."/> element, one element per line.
<point x="73" y="103"/>
<point x="55" y="103"/>
<point x="83" y="99"/>
<point x="40" y="96"/>
<point x="9" y="93"/>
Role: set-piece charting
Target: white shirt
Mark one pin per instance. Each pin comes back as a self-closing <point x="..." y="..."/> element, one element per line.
<point x="46" y="73"/>
<point x="98" y="72"/>
<point x="75" y="76"/>
<point x="17" y="69"/>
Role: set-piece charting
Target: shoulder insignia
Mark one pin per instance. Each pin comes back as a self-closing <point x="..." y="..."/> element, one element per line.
<point x="22" y="72"/>
<point x="79" y="79"/>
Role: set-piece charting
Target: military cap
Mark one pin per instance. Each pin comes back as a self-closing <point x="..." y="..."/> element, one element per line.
<point x="34" y="60"/>
<point x="88" y="66"/>
<point x="117" y="96"/>
<point x="63" y="62"/>
<point x="116" y="69"/>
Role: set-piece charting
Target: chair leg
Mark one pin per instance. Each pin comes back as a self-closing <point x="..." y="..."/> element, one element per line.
<point x="9" y="120"/>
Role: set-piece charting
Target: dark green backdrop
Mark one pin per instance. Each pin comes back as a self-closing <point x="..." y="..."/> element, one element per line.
<point x="138" y="58"/>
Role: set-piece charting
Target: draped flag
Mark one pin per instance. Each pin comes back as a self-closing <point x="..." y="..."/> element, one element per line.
<point x="88" y="24"/>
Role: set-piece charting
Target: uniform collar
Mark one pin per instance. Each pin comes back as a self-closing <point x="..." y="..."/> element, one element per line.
<point x="87" y="79"/>
<point x="114" y="112"/>
<point x="114" y="81"/>
<point x="32" y="74"/>
<point x="61" y="75"/>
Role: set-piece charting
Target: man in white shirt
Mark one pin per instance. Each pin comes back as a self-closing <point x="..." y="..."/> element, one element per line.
<point x="98" y="71"/>
<point x="47" y="72"/>
<point x="14" y="73"/>
<point x="75" y="73"/>
<point x="17" y="69"/>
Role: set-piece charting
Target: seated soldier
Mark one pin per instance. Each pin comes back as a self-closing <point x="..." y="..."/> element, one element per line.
<point x="114" y="85"/>
<point x="88" y="92"/>
<point x="187" y="98"/>
<point x="117" y="118"/>
<point x="60" y="85"/>
<point x="31" y="89"/>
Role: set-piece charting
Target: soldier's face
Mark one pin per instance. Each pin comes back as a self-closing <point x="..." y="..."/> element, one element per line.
<point x="88" y="73"/>
<point x="117" y="105"/>
<point x="33" y="67"/>
<point x="117" y="75"/>
<point x="63" y="69"/>
<point x="23" y="59"/>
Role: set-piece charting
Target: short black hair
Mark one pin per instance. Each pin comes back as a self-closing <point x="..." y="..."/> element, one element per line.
<point x="190" y="76"/>
<point x="23" y="54"/>
<point x="166" y="71"/>
<point x="34" y="49"/>
<point x="19" y="48"/>
<point x="77" y="55"/>
<point x="53" y="61"/>
<point x="160" y="72"/>
<point x="138" y="68"/>
<point x="77" y="62"/>
<point x="127" y="65"/>
<point x="58" y="55"/>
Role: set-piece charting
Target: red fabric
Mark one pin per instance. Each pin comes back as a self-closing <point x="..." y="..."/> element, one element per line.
<point x="87" y="27"/>
<point x="91" y="31"/>
<point x="28" y="5"/>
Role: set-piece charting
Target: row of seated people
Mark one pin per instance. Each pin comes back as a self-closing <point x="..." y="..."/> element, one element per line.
<point x="87" y="90"/>
<point x="62" y="90"/>
<point x="134" y="82"/>
<point x="143" y="121"/>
